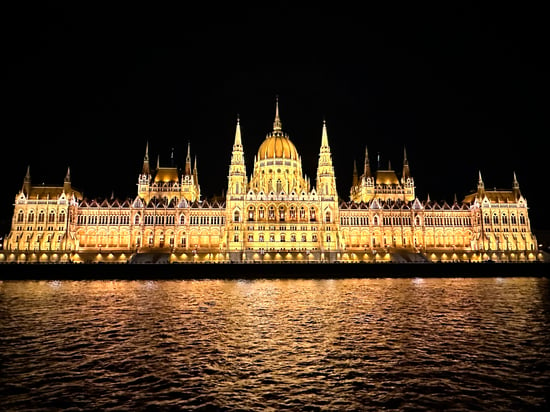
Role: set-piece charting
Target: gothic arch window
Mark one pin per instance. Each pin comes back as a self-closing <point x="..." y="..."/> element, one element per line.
<point x="251" y="212"/>
<point x="495" y="219"/>
<point x="312" y="214"/>
<point x="182" y="219"/>
<point x="486" y="219"/>
<point x="41" y="217"/>
<point x="302" y="213"/>
<point x="504" y="219"/>
<point x="375" y="220"/>
<point x="51" y="217"/>
<point x="271" y="213"/>
<point x="327" y="216"/>
<point x="513" y="219"/>
<point x="279" y="186"/>
<point x="136" y="220"/>
<point x="236" y="216"/>
<point x="62" y="217"/>
<point x="261" y="212"/>
<point x="20" y="216"/>
<point x="281" y="213"/>
<point x="292" y="212"/>
<point x="417" y="220"/>
<point x="521" y="219"/>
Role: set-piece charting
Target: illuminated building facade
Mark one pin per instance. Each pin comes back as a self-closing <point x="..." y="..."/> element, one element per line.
<point x="275" y="215"/>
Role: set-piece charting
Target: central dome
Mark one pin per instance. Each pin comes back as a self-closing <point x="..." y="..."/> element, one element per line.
<point x="277" y="145"/>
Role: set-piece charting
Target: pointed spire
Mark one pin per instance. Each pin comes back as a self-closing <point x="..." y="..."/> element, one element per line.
<point x="238" y="141"/>
<point x="277" y="126"/>
<point x="188" y="160"/>
<point x="67" y="181"/>
<point x="146" y="170"/>
<point x="480" y="183"/>
<point x="324" y="138"/>
<point x="480" y="186"/>
<point x="406" y="169"/>
<point x="27" y="181"/>
<point x="515" y="187"/>
<point x="366" y="168"/>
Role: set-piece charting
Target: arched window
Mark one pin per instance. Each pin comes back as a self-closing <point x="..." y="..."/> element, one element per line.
<point x="41" y="217"/>
<point x="51" y="217"/>
<point x="251" y="213"/>
<point x="182" y="219"/>
<point x="312" y="214"/>
<point x="495" y="219"/>
<point x="62" y="217"/>
<point x="282" y="213"/>
<point x="236" y="216"/>
<point x="136" y="220"/>
<point x="20" y="216"/>
<point x="521" y="219"/>
<point x="327" y="216"/>
<point x="292" y="212"/>
<point x="504" y="219"/>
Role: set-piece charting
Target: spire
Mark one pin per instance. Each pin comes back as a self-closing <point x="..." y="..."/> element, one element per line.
<point x="480" y="186"/>
<point x="67" y="181"/>
<point x="324" y="138"/>
<point x="277" y="126"/>
<point x="355" y="180"/>
<point x="366" y="168"/>
<point x="515" y="187"/>
<point x="238" y="141"/>
<point x="27" y="181"/>
<point x="188" y="160"/>
<point x="406" y="169"/>
<point x="146" y="170"/>
<point x="172" y="157"/>
<point x="158" y="162"/>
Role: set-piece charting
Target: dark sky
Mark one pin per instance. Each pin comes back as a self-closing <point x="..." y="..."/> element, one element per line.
<point x="463" y="88"/>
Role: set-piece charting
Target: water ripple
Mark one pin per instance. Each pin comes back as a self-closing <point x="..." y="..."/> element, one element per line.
<point x="270" y="345"/>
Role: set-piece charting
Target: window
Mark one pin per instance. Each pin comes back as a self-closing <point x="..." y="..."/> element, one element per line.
<point x="312" y="214"/>
<point x="236" y="216"/>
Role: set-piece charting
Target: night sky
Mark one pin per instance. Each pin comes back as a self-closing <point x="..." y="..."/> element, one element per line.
<point x="464" y="89"/>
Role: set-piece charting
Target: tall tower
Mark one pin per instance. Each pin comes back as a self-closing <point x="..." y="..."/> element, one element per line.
<point x="328" y="198"/>
<point x="235" y="197"/>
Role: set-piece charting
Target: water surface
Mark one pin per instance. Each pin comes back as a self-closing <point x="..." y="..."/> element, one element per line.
<point x="429" y="344"/>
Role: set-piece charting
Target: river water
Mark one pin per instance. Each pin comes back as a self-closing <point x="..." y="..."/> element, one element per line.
<point x="407" y="344"/>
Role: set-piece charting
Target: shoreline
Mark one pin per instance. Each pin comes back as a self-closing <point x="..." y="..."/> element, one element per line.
<point x="159" y="271"/>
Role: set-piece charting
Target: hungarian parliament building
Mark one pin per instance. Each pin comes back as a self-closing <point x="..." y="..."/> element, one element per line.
<point x="275" y="214"/>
